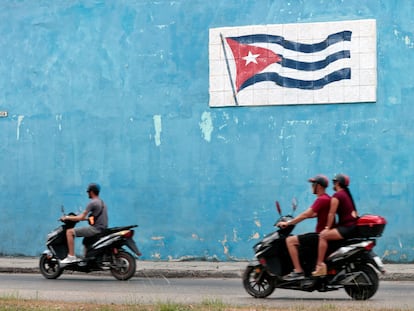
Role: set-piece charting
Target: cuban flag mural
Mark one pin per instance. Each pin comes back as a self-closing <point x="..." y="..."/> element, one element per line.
<point x="317" y="63"/>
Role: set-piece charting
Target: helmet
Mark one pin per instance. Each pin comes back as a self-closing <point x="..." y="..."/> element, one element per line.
<point x="342" y="179"/>
<point x="95" y="188"/>
<point x="320" y="179"/>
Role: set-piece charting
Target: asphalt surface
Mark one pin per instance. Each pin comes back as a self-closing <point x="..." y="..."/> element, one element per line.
<point x="199" y="269"/>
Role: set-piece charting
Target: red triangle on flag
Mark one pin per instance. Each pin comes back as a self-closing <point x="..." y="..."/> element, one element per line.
<point x="250" y="60"/>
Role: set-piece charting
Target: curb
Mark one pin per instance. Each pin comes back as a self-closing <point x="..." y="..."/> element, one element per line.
<point x="172" y="273"/>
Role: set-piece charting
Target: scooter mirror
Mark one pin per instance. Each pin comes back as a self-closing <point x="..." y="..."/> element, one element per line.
<point x="279" y="210"/>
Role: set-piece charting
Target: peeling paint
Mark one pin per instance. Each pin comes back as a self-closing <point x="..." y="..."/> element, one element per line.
<point x="257" y="223"/>
<point x="281" y="135"/>
<point x="19" y="123"/>
<point x="157" y="238"/>
<point x="294" y="122"/>
<point x="196" y="237"/>
<point x="156" y="255"/>
<point x="206" y="125"/>
<point x="160" y="240"/>
<point x="222" y="138"/>
<point x="254" y="236"/>
<point x="59" y="119"/>
<point x="404" y="37"/>
<point x="224" y="244"/>
<point x="407" y="40"/>
<point x="222" y="126"/>
<point x="158" y="129"/>
<point x="235" y="237"/>
<point x="344" y="129"/>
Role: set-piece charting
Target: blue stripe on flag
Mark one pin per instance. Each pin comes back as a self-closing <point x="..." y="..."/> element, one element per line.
<point x="337" y="75"/>
<point x="294" y="64"/>
<point x="295" y="46"/>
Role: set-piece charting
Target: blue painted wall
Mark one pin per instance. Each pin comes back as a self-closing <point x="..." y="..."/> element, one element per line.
<point x="117" y="92"/>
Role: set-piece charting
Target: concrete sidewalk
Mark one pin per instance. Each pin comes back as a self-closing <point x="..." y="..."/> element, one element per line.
<point x="200" y="269"/>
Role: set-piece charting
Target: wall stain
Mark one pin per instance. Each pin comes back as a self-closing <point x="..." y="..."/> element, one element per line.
<point x="158" y="129"/>
<point x="19" y="123"/>
<point x="206" y="125"/>
<point x="225" y="246"/>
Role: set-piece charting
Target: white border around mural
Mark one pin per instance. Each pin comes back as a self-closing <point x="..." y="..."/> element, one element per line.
<point x="361" y="87"/>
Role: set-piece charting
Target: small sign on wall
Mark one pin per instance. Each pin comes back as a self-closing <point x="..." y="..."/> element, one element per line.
<point x="289" y="64"/>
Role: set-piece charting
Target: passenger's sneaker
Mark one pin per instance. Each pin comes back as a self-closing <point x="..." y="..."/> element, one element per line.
<point x="68" y="260"/>
<point x="294" y="276"/>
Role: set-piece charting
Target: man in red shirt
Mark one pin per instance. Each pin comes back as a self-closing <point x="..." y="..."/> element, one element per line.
<point x="319" y="209"/>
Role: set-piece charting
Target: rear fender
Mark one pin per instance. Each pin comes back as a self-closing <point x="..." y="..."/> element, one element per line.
<point x="375" y="261"/>
<point x="132" y="246"/>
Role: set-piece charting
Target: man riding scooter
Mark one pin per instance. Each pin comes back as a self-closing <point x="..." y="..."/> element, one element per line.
<point x="96" y="213"/>
<point x="319" y="209"/>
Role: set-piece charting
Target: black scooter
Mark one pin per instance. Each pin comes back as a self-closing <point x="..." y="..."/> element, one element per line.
<point x="350" y="263"/>
<point x="102" y="252"/>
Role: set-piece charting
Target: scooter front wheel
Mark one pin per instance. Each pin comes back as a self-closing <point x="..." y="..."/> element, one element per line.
<point x="124" y="266"/>
<point x="49" y="267"/>
<point x="257" y="282"/>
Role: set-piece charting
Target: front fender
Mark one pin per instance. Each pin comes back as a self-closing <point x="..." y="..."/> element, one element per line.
<point x="254" y="263"/>
<point x="47" y="252"/>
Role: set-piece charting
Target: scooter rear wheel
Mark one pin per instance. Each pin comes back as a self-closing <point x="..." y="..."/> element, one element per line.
<point x="49" y="267"/>
<point x="124" y="266"/>
<point x="366" y="285"/>
<point x="259" y="284"/>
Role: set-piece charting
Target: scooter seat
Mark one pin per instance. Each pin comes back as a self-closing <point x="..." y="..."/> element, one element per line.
<point x="90" y="240"/>
<point x="116" y="229"/>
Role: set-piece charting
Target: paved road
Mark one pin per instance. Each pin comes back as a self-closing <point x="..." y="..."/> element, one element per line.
<point x="171" y="269"/>
<point x="395" y="294"/>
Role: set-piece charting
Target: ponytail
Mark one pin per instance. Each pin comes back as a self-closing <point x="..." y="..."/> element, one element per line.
<point x="350" y="195"/>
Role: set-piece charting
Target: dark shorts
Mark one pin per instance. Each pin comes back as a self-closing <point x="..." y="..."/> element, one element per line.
<point x="86" y="231"/>
<point x="347" y="232"/>
<point x="310" y="239"/>
<point x="308" y="251"/>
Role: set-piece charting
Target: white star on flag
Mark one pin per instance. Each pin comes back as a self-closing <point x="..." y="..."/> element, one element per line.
<point x="251" y="58"/>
